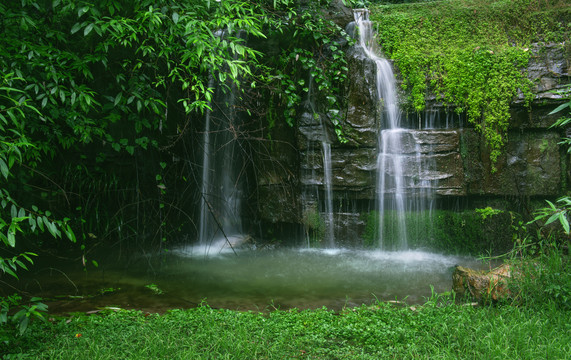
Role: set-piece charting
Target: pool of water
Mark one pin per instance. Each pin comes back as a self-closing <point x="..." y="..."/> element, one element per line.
<point x="246" y="280"/>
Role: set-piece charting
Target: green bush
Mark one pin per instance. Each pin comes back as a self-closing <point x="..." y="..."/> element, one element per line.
<point x="543" y="280"/>
<point x="314" y="226"/>
<point x="479" y="231"/>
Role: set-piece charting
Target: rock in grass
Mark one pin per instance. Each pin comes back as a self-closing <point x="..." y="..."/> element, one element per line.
<point x="482" y="285"/>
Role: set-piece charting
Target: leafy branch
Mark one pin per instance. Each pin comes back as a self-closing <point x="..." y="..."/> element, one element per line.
<point x="561" y="211"/>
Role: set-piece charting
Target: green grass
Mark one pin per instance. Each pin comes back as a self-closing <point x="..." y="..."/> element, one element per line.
<point x="382" y="331"/>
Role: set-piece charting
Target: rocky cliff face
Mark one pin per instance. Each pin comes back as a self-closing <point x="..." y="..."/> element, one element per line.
<point x="532" y="165"/>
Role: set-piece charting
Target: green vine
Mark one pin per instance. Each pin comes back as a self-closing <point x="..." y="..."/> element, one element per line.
<point x="315" y="51"/>
<point x="471" y="55"/>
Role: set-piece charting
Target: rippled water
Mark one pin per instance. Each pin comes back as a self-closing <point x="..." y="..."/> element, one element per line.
<point x="253" y="280"/>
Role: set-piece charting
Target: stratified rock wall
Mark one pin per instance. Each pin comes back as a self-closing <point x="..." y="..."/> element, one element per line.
<point x="532" y="164"/>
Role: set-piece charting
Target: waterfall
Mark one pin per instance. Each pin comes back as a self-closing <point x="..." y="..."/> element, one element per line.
<point x="204" y="208"/>
<point x="403" y="192"/>
<point x="328" y="184"/>
<point x="222" y="166"/>
<point x="220" y="215"/>
<point x="312" y="198"/>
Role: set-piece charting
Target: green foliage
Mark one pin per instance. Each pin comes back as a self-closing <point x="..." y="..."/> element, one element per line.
<point x="88" y="91"/>
<point x="565" y="120"/>
<point x="312" y="58"/>
<point x="467" y="232"/>
<point x="488" y="212"/>
<point x="15" y="148"/>
<point x="96" y="98"/>
<point x="141" y="51"/>
<point x="542" y="274"/>
<point x="462" y="231"/>
<point x="470" y="55"/>
<point x="10" y="265"/>
<point x="540" y="261"/>
<point x="540" y="267"/>
<point x="155" y="289"/>
<point x="553" y="213"/>
<point x="559" y="213"/>
<point x="367" y="332"/>
<point x="19" y="321"/>
<point x="314" y="226"/>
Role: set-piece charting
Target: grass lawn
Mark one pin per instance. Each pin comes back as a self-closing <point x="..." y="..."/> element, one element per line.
<point x="381" y="331"/>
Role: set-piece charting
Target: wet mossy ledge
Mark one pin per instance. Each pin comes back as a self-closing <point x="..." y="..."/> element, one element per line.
<point x="477" y="82"/>
<point x="474" y="57"/>
<point x="484" y="231"/>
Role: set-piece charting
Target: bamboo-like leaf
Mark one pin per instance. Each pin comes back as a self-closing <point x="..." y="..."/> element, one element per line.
<point x="75" y="28"/>
<point x="9" y="271"/>
<point x="564" y="222"/>
<point x="199" y="48"/>
<point x="70" y="234"/>
<point x="24" y="324"/>
<point x="552" y="218"/>
<point x="88" y="29"/>
<point x="118" y="99"/>
<point x="51" y="228"/>
<point x="27" y="256"/>
<point x="4" y="168"/>
<point x="559" y="108"/>
<point x="11" y="238"/>
<point x="82" y="11"/>
<point x="40" y="222"/>
<point x="32" y="222"/>
<point x="21" y="264"/>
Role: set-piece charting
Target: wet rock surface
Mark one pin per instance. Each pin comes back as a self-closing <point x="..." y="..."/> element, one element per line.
<point x="532" y="163"/>
<point x="529" y="166"/>
<point x="549" y="70"/>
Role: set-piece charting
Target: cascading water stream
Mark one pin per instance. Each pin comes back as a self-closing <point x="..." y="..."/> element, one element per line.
<point x="204" y="209"/>
<point x="327" y="210"/>
<point x="404" y="162"/>
<point x="221" y="190"/>
<point x="221" y="193"/>
<point x="390" y="161"/>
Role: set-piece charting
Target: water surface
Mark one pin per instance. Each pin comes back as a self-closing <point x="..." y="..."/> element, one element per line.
<point x="247" y="279"/>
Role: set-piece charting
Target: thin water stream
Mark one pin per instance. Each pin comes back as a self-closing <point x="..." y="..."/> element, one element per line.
<point x="328" y="184"/>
